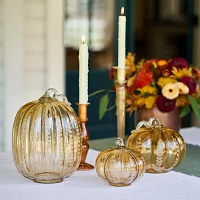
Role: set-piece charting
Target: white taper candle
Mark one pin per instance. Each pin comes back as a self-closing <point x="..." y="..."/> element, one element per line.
<point x="83" y="72"/>
<point x="121" y="47"/>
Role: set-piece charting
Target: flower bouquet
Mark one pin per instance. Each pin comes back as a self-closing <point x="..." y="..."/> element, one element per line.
<point x="167" y="84"/>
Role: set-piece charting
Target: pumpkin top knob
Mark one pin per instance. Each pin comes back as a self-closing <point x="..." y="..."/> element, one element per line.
<point x="153" y="122"/>
<point x="52" y="94"/>
<point x="119" y="142"/>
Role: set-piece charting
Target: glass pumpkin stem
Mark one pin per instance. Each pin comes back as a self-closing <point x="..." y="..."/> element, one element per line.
<point x="153" y="122"/>
<point x="82" y="111"/>
<point x="119" y="142"/>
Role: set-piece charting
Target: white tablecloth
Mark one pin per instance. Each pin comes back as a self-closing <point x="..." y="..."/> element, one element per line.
<point x="87" y="185"/>
<point x="191" y="135"/>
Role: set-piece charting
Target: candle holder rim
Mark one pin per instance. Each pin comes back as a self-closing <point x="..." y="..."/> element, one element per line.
<point x="120" y="82"/>
<point x="83" y="103"/>
<point x="117" y="67"/>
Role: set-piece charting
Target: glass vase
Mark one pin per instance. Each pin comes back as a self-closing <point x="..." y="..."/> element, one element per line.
<point x="170" y="119"/>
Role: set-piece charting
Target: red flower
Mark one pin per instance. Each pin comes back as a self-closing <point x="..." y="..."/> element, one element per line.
<point x="164" y="104"/>
<point x="147" y="64"/>
<point x="190" y="82"/>
<point x="113" y="88"/>
<point x="143" y="78"/>
<point x="179" y="63"/>
<point x="165" y="72"/>
<point x="112" y="73"/>
<point x="130" y="90"/>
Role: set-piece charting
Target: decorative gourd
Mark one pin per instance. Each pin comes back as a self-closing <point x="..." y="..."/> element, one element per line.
<point x="162" y="148"/>
<point x="47" y="139"/>
<point x="120" y="166"/>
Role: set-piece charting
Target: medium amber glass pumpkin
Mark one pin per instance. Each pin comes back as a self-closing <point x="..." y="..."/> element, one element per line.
<point x="162" y="148"/>
<point x="47" y="139"/>
<point x="120" y="166"/>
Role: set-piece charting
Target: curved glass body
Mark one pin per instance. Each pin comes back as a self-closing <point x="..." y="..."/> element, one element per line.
<point x="162" y="148"/>
<point x="47" y="139"/>
<point x="120" y="166"/>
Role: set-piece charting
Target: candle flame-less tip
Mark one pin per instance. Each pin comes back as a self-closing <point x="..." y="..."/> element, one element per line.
<point x="122" y="10"/>
<point x="83" y="39"/>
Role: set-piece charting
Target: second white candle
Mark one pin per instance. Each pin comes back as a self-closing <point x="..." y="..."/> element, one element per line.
<point x="121" y="47"/>
<point x="83" y="72"/>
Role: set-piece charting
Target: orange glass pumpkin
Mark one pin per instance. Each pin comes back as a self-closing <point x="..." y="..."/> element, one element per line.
<point x="162" y="148"/>
<point x="120" y="166"/>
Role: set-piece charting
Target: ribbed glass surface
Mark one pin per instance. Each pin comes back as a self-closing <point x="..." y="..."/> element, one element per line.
<point x="120" y="166"/>
<point x="162" y="148"/>
<point x="46" y="140"/>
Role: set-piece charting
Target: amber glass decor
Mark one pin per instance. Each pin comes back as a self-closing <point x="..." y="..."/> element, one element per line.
<point x="119" y="166"/>
<point x="47" y="139"/>
<point x="162" y="148"/>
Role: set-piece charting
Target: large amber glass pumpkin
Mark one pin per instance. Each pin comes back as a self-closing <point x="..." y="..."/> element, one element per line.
<point x="47" y="139"/>
<point x="162" y="148"/>
<point x="120" y="166"/>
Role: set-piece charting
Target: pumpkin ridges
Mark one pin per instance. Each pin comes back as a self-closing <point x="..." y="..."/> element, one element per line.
<point x="120" y="166"/>
<point x="32" y="163"/>
<point x="169" y="138"/>
<point x="24" y="133"/>
<point x="182" y="147"/>
<point x="33" y="144"/>
<point x="161" y="160"/>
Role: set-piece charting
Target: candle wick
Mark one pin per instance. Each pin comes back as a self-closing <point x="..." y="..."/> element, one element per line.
<point x="83" y="42"/>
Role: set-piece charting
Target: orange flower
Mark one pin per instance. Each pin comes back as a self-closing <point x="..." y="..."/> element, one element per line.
<point x="162" y="64"/>
<point x="182" y="101"/>
<point x="196" y="73"/>
<point x="143" y="78"/>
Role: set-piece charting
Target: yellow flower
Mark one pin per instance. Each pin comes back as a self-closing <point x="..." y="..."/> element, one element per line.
<point x="179" y="73"/>
<point x="163" y="81"/>
<point x="181" y="101"/>
<point x="183" y="89"/>
<point x="130" y="63"/>
<point x="148" y="89"/>
<point x="170" y="91"/>
<point x="140" y="102"/>
<point x="130" y="81"/>
<point x="131" y="103"/>
<point x="150" y="101"/>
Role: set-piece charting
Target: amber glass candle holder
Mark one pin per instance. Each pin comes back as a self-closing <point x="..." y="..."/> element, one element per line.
<point x="120" y="101"/>
<point x="82" y="112"/>
<point x="120" y="97"/>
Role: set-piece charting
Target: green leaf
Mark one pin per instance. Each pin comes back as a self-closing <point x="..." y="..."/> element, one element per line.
<point x="103" y="105"/>
<point x="198" y="100"/>
<point x="194" y="106"/>
<point x="185" y="111"/>
<point x="136" y="92"/>
<point x="96" y="92"/>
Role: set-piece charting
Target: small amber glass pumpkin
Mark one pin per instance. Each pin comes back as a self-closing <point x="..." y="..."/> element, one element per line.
<point x="120" y="166"/>
<point x="47" y="139"/>
<point x="162" y="148"/>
